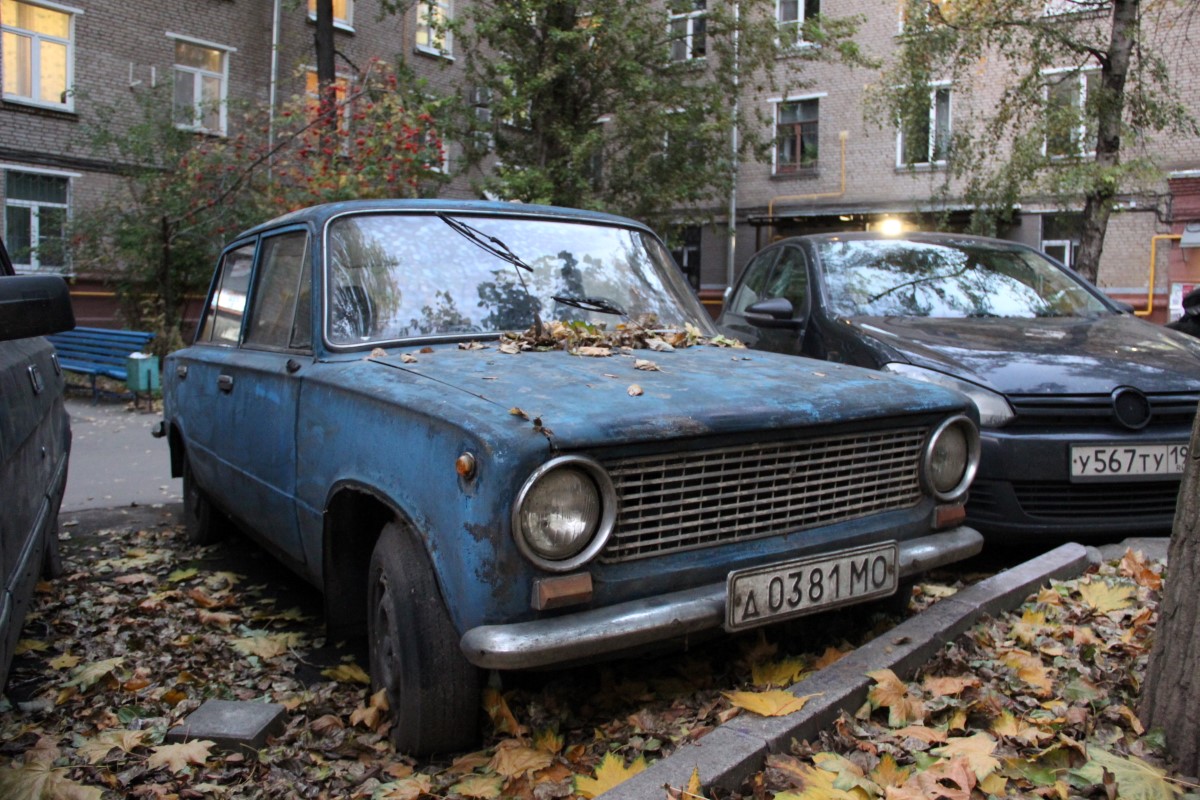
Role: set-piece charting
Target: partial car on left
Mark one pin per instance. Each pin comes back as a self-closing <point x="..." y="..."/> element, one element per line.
<point x="35" y="440"/>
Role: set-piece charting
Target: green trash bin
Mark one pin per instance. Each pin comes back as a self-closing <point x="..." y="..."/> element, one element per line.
<point x="141" y="373"/>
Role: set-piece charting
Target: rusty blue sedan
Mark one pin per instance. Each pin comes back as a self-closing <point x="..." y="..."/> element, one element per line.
<point x="504" y="437"/>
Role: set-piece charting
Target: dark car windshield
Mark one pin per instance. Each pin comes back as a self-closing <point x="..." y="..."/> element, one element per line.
<point x="880" y="278"/>
<point x="399" y="276"/>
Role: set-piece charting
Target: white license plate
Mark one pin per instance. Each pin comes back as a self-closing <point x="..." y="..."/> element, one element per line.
<point x="775" y="592"/>
<point x="1116" y="461"/>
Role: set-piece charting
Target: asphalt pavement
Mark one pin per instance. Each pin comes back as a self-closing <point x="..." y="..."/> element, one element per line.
<point x="115" y="462"/>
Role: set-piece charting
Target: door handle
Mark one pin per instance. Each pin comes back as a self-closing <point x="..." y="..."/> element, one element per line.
<point x="225" y="383"/>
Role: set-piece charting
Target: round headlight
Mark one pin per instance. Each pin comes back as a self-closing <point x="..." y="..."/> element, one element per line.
<point x="951" y="458"/>
<point x="564" y="513"/>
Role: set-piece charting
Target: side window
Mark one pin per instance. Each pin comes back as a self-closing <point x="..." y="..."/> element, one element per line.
<point x="277" y="302"/>
<point x="223" y="317"/>
<point x="790" y="278"/>
<point x="753" y="282"/>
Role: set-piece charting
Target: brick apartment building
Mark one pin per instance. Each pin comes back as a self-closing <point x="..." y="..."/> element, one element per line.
<point x="830" y="170"/>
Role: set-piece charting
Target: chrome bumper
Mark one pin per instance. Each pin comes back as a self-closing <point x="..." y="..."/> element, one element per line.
<point x="598" y="631"/>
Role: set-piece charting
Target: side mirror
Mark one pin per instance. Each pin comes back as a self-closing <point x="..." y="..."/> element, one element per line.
<point x="34" y="305"/>
<point x="776" y="312"/>
<point x="1191" y="303"/>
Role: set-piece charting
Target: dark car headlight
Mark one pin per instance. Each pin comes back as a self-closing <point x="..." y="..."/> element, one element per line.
<point x="951" y="458"/>
<point x="994" y="410"/>
<point x="564" y="513"/>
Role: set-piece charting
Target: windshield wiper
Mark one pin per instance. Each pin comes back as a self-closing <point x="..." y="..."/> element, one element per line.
<point x="598" y="304"/>
<point x="497" y="247"/>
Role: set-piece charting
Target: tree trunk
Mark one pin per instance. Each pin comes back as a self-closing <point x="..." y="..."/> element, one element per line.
<point x="1099" y="199"/>
<point x="326" y="73"/>
<point x="1171" y="693"/>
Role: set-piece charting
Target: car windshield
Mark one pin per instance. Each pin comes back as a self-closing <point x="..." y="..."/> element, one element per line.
<point x="883" y="278"/>
<point x="400" y="276"/>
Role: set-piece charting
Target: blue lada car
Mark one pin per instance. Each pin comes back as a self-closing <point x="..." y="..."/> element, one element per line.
<point x="505" y="437"/>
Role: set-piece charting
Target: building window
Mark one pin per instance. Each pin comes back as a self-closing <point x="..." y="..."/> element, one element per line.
<point x="341" y="90"/>
<point x="432" y="34"/>
<point x="39" y="53"/>
<point x="343" y="12"/>
<point x="796" y="136"/>
<point x="1067" y="121"/>
<point x="791" y="15"/>
<point x="35" y="220"/>
<point x="687" y="31"/>
<point x="927" y="139"/>
<point x="201" y="72"/>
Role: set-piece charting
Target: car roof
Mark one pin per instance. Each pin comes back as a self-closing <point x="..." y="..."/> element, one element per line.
<point x="929" y="237"/>
<point x="318" y="215"/>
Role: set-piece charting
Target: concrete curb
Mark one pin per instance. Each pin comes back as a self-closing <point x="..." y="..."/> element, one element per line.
<point x="738" y="749"/>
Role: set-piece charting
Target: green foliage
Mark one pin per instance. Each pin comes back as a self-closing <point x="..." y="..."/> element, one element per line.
<point x="1051" y="105"/>
<point x="582" y="104"/>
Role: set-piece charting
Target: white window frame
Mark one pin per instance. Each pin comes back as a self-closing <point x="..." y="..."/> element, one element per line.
<point x="1083" y="147"/>
<point x="690" y="18"/>
<point x="344" y="23"/>
<point x="931" y="145"/>
<point x="426" y="28"/>
<point x="196" y="73"/>
<point x="776" y="102"/>
<point x="35" y="76"/>
<point x="796" y="36"/>
<point x="33" y="265"/>
<point x="1068" y="248"/>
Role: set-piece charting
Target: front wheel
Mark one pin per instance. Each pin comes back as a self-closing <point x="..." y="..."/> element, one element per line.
<point x="433" y="691"/>
<point x="202" y="524"/>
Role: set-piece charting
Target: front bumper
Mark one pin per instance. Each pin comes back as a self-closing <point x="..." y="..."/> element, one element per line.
<point x="601" y="631"/>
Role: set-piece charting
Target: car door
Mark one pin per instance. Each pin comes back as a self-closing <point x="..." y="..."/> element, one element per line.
<point x="258" y="328"/>
<point x="756" y="315"/>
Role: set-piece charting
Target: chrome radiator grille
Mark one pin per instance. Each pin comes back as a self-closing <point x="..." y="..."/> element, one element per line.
<point x="689" y="500"/>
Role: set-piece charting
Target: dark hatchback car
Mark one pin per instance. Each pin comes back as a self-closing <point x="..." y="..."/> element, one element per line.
<point x="473" y="500"/>
<point x="35" y="441"/>
<point x="1085" y="411"/>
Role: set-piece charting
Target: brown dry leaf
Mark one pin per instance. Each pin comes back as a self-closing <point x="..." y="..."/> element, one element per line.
<point x="482" y="787"/>
<point x="1030" y="669"/>
<point x="378" y="352"/>
<point x="510" y="349"/>
<point x="513" y="759"/>
<point x="888" y="773"/>
<point x="773" y="703"/>
<point x="945" y="780"/>
<point x="266" y="645"/>
<point x="921" y="733"/>
<point x="65" y="661"/>
<point x="177" y="756"/>
<point x="777" y="673"/>
<point x="634" y="390"/>
<point x="1010" y="727"/>
<point x="814" y="783"/>
<point x="96" y="748"/>
<point x="609" y="773"/>
<point x="469" y="763"/>
<point x="134" y="578"/>
<point x="502" y="717"/>
<point x="646" y="365"/>
<point x="831" y="656"/>
<point x="516" y="412"/>
<point x="472" y="345"/>
<point x="409" y="788"/>
<point x="86" y="676"/>
<point x="1134" y="565"/>
<point x="325" y="724"/>
<point x="30" y="646"/>
<point x="948" y="686"/>
<point x="593" y="352"/>
<point x="347" y="673"/>
<point x="975" y="750"/>
<point x="222" y="619"/>
<point x="548" y="741"/>
<point x="892" y="693"/>
<point x="371" y="715"/>
<point x="408" y="358"/>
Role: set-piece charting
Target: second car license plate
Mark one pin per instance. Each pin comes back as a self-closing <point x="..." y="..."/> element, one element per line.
<point x="774" y="592"/>
<point x="1106" y="462"/>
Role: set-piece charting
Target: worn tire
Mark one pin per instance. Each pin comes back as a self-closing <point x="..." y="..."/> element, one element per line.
<point x="52" y="563"/>
<point x="202" y="524"/>
<point x="432" y="689"/>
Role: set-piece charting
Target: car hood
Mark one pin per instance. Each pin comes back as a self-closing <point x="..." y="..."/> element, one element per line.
<point x="1044" y="356"/>
<point x="580" y="401"/>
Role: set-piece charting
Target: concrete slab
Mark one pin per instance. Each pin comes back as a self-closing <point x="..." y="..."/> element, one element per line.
<point x="738" y="749"/>
<point x="232" y="724"/>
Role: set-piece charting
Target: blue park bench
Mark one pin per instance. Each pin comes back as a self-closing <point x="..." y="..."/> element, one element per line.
<point x="98" y="352"/>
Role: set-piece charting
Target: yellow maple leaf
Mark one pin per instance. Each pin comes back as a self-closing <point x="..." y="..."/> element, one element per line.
<point x="609" y="773"/>
<point x="977" y="750"/>
<point x="371" y="715"/>
<point x="222" y="619"/>
<point x="65" y="661"/>
<point x="266" y="645"/>
<point x="773" y="703"/>
<point x="483" y="787"/>
<point x="888" y="773"/>
<point x="1009" y="726"/>
<point x="513" y="759"/>
<point x="948" y="686"/>
<point x="502" y="717"/>
<point x="994" y="785"/>
<point x="176" y="757"/>
<point x="1134" y="777"/>
<point x="347" y="673"/>
<point x="409" y="788"/>
<point x="892" y="693"/>
<point x="815" y="783"/>
<point x="830" y="656"/>
<point x="548" y="741"/>
<point x="1030" y="669"/>
<point x="86" y="676"/>
<point x="921" y="733"/>
<point x="1103" y="597"/>
<point x="777" y="673"/>
<point x="96" y="748"/>
<point x="30" y="646"/>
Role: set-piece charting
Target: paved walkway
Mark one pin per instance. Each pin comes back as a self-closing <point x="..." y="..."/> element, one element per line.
<point x="115" y="462"/>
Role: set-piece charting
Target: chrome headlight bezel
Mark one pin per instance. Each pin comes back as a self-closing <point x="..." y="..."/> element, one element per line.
<point x="971" y="435"/>
<point x="600" y="528"/>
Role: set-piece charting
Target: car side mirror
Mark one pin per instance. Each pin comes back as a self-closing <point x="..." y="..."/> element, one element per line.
<point x="776" y="312"/>
<point x="34" y="305"/>
<point x="1191" y="303"/>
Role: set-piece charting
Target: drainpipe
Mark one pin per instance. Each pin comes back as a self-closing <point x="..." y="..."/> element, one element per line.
<point x="1154" y="240"/>
<point x="274" y="76"/>
<point x="842" y="137"/>
<point x="731" y="252"/>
